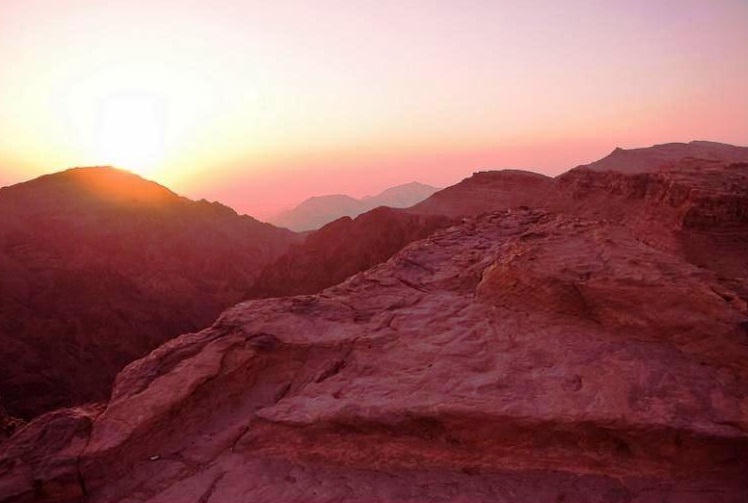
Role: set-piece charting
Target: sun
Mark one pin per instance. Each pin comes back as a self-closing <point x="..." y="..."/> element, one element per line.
<point x="131" y="130"/>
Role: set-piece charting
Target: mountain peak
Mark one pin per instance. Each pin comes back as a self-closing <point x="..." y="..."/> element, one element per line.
<point x="102" y="184"/>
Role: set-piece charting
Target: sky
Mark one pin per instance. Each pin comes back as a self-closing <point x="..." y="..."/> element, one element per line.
<point x="261" y="104"/>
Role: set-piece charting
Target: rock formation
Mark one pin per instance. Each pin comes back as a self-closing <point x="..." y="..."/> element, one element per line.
<point x="589" y="350"/>
<point x="98" y="267"/>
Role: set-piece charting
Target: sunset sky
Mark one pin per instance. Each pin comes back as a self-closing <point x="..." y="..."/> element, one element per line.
<point x="262" y="104"/>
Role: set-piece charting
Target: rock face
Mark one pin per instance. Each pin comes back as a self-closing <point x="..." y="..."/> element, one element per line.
<point x="99" y="267"/>
<point x="589" y="350"/>
<point x="697" y="209"/>
<point x="316" y="212"/>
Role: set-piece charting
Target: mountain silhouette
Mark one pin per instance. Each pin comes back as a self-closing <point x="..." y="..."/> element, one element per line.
<point x="315" y="212"/>
<point x="99" y="267"/>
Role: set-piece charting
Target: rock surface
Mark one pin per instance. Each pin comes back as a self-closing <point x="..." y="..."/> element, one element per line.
<point x="98" y="267"/>
<point x="592" y="350"/>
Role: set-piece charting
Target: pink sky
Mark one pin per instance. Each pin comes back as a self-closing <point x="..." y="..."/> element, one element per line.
<point x="262" y="104"/>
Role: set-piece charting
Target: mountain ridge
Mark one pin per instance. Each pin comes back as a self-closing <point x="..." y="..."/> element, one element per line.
<point x="660" y="156"/>
<point x="317" y="211"/>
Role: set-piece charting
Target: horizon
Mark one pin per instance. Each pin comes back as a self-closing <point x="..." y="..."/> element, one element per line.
<point x="261" y="106"/>
<point x="361" y="196"/>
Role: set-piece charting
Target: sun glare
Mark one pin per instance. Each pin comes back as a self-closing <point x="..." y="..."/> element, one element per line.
<point x="131" y="132"/>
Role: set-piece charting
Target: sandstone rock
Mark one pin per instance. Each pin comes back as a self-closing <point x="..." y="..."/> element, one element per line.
<point x="694" y="208"/>
<point x="520" y="356"/>
<point x="487" y="191"/>
<point x="41" y="462"/>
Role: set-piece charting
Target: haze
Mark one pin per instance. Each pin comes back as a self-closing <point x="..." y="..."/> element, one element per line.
<point x="261" y="105"/>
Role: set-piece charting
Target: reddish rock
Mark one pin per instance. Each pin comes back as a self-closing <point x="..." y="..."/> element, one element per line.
<point x="521" y="356"/>
<point x="697" y="209"/>
<point x="590" y="351"/>
<point x="41" y="463"/>
<point x="98" y="267"/>
<point x="487" y="191"/>
<point x="649" y="159"/>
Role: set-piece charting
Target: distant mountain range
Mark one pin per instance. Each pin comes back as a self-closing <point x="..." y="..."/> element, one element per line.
<point x="317" y="211"/>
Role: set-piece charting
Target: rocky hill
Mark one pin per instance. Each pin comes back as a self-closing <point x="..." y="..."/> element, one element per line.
<point x="99" y="267"/>
<point x="318" y="211"/>
<point x="527" y="355"/>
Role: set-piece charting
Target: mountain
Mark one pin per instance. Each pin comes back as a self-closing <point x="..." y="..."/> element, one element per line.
<point x="487" y="191"/>
<point x="315" y="212"/>
<point x="401" y="196"/>
<point x="660" y="156"/>
<point x="590" y="347"/>
<point x="100" y="266"/>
